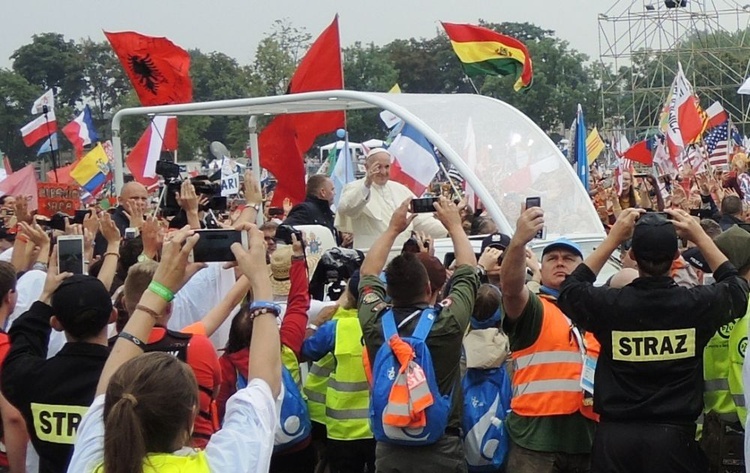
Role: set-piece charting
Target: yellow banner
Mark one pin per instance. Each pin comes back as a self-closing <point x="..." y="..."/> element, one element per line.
<point x="57" y="424"/>
<point x="655" y="345"/>
<point x="594" y="145"/>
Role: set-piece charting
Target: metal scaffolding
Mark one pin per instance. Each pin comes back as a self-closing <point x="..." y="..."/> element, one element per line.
<point x="640" y="43"/>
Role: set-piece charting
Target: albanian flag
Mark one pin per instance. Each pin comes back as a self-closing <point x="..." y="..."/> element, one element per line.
<point x="157" y="68"/>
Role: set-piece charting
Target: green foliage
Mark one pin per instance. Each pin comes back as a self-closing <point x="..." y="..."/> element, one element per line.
<point x="16" y="97"/>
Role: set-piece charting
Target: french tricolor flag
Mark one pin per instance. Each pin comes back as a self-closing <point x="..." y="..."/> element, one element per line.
<point x="81" y="131"/>
<point x="415" y="163"/>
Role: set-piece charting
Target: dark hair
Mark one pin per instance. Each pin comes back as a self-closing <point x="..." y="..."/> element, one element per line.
<point x="150" y="402"/>
<point x="240" y="332"/>
<point x="654" y="268"/>
<point x="130" y="249"/>
<point x="315" y="183"/>
<point x="269" y="226"/>
<point x="4" y="198"/>
<point x="483" y="225"/>
<point x="406" y="280"/>
<point x="487" y="302"/>
<point x="711" y="228"/>
<point x="731" y="205"/>
<point x="7" y="278"/>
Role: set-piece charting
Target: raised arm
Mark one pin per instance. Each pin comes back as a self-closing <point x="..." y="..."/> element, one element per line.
<point x="265" y="346"/>
<point x="168" y="279"/>
<point x="294" y="325"/>
<point x="449" y="217"/>
<point x="109" y="266"/>
<point x="213" y="320"/>
<point x="378" y="254"/>
<point x="620" y="232"/>
<point x="513" y="269"/>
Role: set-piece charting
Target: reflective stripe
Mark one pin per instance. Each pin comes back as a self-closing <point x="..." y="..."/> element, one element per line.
<point x="739" y="400"/>
<point x="315" y="396"/>
<point x="545" y="357"/>
<point x="347" y="414"/>
<point x="397" y="409"/>
<point x="321" y="371"/>
<point x="719" y="384"/>
<point x="547" y="386"/>
<point x="346" y="387"/>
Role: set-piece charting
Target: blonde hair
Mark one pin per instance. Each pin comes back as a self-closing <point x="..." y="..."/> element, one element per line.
<point x="139" y="277"/>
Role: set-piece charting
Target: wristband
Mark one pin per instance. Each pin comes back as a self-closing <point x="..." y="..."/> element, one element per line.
<point x="111" y="253"/>
<point x="259" y="308"/>
<point x="312" y="327"/>
<point x="132" y="339"/>
<point x="161" y="290"/>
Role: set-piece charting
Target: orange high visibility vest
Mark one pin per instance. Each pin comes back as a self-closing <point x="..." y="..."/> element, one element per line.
<point x="547" y="374"/>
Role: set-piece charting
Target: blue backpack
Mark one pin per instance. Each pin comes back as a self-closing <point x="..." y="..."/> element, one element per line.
<point x="294" y="419"/>
<point x="487" y="395"/>
<point x="385" y="371"/>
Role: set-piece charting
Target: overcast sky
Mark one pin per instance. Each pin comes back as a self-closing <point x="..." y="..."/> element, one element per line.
<point x="234" y="27"/>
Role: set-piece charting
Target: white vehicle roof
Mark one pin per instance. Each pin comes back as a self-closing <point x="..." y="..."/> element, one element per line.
<point x="501" y="153"/>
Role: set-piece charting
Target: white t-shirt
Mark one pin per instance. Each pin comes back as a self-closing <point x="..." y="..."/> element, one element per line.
<point x="244" y="443"/>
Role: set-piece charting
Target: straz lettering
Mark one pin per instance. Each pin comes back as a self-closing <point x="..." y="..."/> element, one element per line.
<point x="57" y="424"/>
<point x="656" y="345"/>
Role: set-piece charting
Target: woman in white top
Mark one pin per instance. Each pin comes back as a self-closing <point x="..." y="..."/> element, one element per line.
<point x="142" y="416"/>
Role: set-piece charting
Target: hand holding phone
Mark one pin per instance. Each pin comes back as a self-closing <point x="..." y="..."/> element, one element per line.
<point x="423" y="205"/>
<point x="215" y="245"/>
<point x="535" y="202"/>
<point x="70" y="254"/>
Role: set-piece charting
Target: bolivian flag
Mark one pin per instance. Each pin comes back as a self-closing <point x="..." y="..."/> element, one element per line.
<point x="483" y="51"/>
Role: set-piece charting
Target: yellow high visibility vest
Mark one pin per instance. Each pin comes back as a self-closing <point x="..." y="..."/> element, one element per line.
<point x="716" y="367"/>
<point x="163" y="462"/>
<point x="348" y="393"/>
<point x="316" y="383"/>
<point x="737" y="347"/>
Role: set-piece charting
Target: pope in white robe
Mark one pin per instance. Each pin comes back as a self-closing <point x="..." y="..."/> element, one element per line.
<point x="366" y="206"/>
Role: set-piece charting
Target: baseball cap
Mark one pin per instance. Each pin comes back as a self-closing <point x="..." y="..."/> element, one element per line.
<point x="735" y="244"/>
<point x="496" y="240"/>
<point x="563" y="244"/>
<point x="695" y="258"/>
<point x="654" y="238"/>
<point x="82" y="305"/>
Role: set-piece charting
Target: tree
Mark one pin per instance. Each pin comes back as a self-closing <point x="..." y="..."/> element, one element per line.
<point x="277" y="56"/>
<point x="105" y="81"/>
<point x="16" y="97"/>
<point x="52" y="62"/>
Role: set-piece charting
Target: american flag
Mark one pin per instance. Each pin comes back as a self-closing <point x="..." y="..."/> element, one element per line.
<point x="717" y="145"/>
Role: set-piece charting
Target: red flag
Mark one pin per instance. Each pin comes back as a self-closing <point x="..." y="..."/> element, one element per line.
<point x="147" y="150"/>
<point x="639" y="152"/>
<point x="285" y="140"/>
<point x="157" y="68"/>
<point x="22" y="182"/>
<point x="170" y="135"/>
<point x="63" y="174"/>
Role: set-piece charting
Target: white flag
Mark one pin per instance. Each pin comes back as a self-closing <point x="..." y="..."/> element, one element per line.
<point x="48" y="99"/>
<point x="230" y="178"/>
<point x="745" y="88"/>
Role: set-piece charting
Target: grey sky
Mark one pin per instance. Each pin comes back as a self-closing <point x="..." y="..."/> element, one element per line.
<point x="234" y="27"/>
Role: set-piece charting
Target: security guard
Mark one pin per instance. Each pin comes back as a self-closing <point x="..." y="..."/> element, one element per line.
<point x="53" y="395"/>
<point x="652" y="334"/>
<point x="350" y="447"/>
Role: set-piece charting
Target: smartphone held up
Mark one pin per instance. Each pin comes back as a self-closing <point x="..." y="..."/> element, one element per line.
<point x="536" y="202"/>
<point x="216" y="245"/>
<point x="423" y="205"/>
<point x="70" y="254"/>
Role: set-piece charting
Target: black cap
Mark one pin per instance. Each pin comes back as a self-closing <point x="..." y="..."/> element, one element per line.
<point x="82" y="305"/>
<point x="696" y="259"/>
<point x="496" y="240"/>
<point x="654" y="238"/>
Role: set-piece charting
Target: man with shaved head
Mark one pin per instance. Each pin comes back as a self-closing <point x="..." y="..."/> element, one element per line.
<point x="366" y="205"/>
<point x="133" y="197"/>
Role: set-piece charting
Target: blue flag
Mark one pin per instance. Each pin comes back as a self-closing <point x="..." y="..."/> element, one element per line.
<point x="343" y="171"/>
<point x="582" y="159"/>
<point x="49" y="145"/>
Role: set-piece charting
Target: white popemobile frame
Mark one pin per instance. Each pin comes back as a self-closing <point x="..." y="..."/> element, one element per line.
<point x="501" y="153"/>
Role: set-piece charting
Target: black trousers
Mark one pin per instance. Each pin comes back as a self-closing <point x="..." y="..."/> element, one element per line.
<point x="643" y="447"/>
<point x="351" y="456"/>
<point x="302" y="461"/>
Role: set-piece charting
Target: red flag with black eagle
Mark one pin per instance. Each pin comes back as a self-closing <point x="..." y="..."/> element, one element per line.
<point x="157" y="68"/>
<point x="288" y="137"/>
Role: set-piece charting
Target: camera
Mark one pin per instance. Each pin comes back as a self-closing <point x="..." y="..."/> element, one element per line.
<point x="212" y="191"/>
<point x="284" y="234"/>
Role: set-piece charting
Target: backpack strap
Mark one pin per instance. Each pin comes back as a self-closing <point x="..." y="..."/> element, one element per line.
<point x="425" y="323"/>
<point x="389" y="324"/>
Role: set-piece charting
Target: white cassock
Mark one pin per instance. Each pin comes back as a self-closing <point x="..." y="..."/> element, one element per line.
<point x="367" y="212"/>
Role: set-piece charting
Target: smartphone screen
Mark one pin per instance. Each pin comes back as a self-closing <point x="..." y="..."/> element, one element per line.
<point x="215" y="245"/>
<point x="80" y="215"/>
<point x="70" y="254"/>
<point x="423" y="205"/>
<point x="533" y="202"/>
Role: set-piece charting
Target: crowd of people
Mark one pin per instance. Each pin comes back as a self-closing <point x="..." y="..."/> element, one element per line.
<point x="388" y="360"/>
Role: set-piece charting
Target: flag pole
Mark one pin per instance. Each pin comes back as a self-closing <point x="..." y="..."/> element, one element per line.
<point x="52" y="150"/>
<point x="472" y="84"/>
<point x="455" y="189"/>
